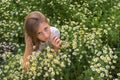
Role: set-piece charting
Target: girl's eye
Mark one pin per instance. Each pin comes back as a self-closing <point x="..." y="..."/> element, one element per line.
<point x="39" y="33"/>
<point x="46" y="28"/>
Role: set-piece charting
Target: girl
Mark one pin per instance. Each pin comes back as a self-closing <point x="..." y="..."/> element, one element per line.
<point x="37" y="33"/>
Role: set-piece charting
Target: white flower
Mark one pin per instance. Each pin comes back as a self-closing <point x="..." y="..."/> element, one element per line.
<point x="115" y="56"/>
<point x="99" y="53"/>
<point x="114" y="61"/>
<point x="98" y="70"/>
<point x="62" y="64"/>
<point x="113" y="67"/>
<point x="93" y="68"/>
<point x="74" y="53"/>
<point x="57" y="72"/>
<point x="118" y="74"/>
<point x="110" y="76"/>
<point x="102" y="69"/>
<point x="74" y="44"/>
<point x="52" y="79"/>
<point x="95" y="59"/>
<point x="50" y="56"/>
<point x="102" y="57"/>
<point x="52" y="73"/>
<point x="6" y="67"/>
<point x="64" y="56"/>
<point x="110" y="63"/>
<point x="91" y="78"/>
<point x="38" y="74"/>
<point x="107" y="67"/>
<point x="98" y="64"/>
<point x="56" y="61"/>
<point x="102" y="75"/>
<point x="108" y="58"/>
<point x="45" y="68"/>
<point x="46" y="74"/>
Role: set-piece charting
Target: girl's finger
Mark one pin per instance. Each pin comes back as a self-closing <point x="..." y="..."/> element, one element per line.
<point x="57" y="41"/>
<point x="55" y="38"/>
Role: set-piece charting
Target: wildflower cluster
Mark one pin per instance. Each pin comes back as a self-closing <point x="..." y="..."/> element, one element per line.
<point x="103" y="62"/>
<point x="88" y="44"/>
<point x="42" y="65"/>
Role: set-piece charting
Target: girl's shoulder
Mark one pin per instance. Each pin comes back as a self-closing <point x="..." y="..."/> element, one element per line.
<point x="53" y="28"/>
<point x="54" y="31"/>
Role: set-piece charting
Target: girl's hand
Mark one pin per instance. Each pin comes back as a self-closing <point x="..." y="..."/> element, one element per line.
<point x="28" y="40"/>
<point x="56" y="42"/>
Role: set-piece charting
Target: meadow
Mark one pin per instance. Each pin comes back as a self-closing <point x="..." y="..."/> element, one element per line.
<point x="89" y="29"/>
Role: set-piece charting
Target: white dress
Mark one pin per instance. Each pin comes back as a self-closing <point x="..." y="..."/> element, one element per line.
<point x="54" y="32"/>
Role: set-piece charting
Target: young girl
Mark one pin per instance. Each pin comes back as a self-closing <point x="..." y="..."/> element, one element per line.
<point x="37" y="33"/>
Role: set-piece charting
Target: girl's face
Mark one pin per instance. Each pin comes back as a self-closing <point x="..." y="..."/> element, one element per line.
<point x="43" y="32"/>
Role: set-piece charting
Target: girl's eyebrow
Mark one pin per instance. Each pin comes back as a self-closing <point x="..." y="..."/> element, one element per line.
<point x="39" y="32"/>
<point x="46" y="27"/>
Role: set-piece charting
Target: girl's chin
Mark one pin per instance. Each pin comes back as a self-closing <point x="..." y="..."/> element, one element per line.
<point x="46" y="40"/>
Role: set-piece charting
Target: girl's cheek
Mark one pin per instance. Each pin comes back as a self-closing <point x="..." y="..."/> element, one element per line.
<point x="39" y="37"/>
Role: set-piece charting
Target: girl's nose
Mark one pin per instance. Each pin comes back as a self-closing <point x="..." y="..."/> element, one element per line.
<point x="46" y="35"/>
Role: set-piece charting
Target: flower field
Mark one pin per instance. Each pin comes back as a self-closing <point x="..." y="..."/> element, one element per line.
<point x="90" y="34"/>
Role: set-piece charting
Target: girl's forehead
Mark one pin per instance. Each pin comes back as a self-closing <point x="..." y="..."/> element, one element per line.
<point x="42" y="26"/>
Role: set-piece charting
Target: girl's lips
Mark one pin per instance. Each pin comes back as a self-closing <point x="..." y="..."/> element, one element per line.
<point x="47" y="39"/>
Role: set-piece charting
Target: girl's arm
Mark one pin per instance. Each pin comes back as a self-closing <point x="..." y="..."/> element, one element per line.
<point x="28" y="50"/>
